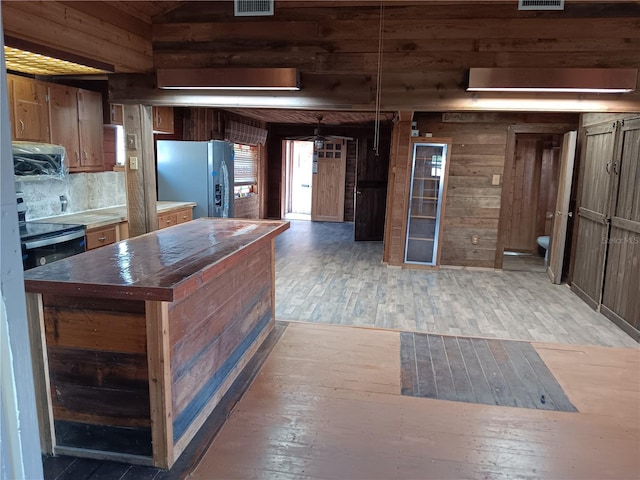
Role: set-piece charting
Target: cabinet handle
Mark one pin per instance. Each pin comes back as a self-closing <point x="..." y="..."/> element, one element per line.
<point x="77" y="155"/>
<point x="615" y="168"/>
<point x="84" y="154"/>
<point x="168" y="221"/>
<point x="102" y="239"/>
<point x="21" y="126"/>
<point x="184" y="216"/>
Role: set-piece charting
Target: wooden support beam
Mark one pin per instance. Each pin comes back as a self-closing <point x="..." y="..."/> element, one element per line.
<point x="141" y="182"/>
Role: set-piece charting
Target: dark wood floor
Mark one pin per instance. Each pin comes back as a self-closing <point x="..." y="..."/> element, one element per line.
<point x="72" y="468"/>
<point x="478" y="370"/>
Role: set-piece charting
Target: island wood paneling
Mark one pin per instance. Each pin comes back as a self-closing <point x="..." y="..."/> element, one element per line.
<point x="98" y="376"/>
<point x="211" y="331"/>
<point x="92" y="30"/>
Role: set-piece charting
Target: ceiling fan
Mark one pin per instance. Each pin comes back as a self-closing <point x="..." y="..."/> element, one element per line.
<point x="318" y="139"/>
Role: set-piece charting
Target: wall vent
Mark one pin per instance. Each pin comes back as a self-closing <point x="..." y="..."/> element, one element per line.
<point x="252" y="8"/>
<point x="540" y="4"/>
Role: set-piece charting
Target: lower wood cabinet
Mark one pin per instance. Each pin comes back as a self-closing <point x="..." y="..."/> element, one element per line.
<point x="99" y="237"/>
<point x="174" y="217"/>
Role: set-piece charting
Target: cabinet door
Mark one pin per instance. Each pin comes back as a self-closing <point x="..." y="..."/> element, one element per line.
<point x="425" y="203"/>
<point x="593" y="213"/>
<point x="29" y="104"/>
<point x="116" y="114"/>
<point x="185" y="215"/>
<point x="620" y="301"/>
<point x="63" y="112"/>
<point x="91" y="133"/>
<point x="163" y="119"/>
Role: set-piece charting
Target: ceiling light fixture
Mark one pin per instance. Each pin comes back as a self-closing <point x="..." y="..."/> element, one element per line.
<point x="564" y="80"/>
<point x="24" y="61"/>
<point x="281" y="79"/>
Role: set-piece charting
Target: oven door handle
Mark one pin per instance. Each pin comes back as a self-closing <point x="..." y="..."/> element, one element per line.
<point x="53" y="240"/>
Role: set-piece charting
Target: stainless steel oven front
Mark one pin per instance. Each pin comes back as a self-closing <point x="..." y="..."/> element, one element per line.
<point x="43" y="243"/>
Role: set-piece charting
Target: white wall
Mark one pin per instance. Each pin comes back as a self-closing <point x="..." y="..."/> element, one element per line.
<point x="19" y="437"/>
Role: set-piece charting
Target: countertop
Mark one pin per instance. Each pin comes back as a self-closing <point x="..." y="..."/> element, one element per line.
<point x="103" y="217"/>
<point x="165" y="265"/>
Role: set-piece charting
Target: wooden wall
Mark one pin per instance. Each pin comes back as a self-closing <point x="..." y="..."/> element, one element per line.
<point x="428" y="49"/>
<point x="472" y="206"/>
<point x="90" y="30"/>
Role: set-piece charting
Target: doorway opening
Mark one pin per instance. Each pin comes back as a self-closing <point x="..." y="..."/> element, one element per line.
<point x="298" y="179"/>
<point x="532" y="199"/>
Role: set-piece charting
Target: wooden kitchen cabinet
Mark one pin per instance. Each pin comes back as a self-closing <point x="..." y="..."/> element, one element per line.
<point x="76" y="123"/>
<point x="28" y="102"/>
<point x="116" y="114"/>
<point x="99" y="237"/>
<point x="167" y="220"/>
<point x="184" y="215"/>
<point x="163" y="119"/>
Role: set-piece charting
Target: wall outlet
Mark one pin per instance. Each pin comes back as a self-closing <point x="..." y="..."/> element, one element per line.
<point x="133" y="163"/>
<point x="475" y="239"/>
<point x="495" y="180"/>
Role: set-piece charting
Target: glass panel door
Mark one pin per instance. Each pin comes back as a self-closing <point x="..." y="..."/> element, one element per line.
<point x="423" y="225"/>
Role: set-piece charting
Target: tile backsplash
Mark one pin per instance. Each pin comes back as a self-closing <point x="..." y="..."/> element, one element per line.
<point x="83" y="191"/>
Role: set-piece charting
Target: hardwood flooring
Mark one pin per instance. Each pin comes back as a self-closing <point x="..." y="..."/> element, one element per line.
<point x="323" y="276"/>
<point x="508" y="373"/>
<point x="327" y="404"/>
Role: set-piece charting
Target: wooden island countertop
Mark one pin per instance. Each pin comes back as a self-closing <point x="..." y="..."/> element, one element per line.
<point x="163" y="265"/>
<point x="135" y="343"/>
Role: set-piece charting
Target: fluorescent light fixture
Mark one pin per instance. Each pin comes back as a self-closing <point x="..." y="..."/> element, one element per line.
<point x="24" y="61"/>
<point x="566" y="80"/>
<point x="280" y="79"/>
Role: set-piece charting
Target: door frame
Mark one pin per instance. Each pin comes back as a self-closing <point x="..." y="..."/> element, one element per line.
<point x="507" y="175"/>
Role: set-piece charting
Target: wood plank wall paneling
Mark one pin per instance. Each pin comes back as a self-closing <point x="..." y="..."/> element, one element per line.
<point x="398" y="191"/>
<point x="200" y="347"/>
<point x="350" y="180"/>
<point x="472" y="203"/>
<point x="98" y="375"/>
<point x="427" y="51"/>
<point x="95" y="31"/>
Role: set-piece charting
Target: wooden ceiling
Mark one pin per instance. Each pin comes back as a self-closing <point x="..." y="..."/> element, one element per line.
<point x="310" y="117"/>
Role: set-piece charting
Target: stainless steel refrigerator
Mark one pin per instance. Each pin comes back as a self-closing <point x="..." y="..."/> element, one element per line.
<point x="200" y="172"/>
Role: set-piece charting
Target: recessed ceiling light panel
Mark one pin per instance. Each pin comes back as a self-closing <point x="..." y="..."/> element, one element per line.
<point x="28" y="62"/>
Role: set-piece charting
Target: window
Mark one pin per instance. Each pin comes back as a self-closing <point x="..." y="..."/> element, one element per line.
<point x="245" y="169"/>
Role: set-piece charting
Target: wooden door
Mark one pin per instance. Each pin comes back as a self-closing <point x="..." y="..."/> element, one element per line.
<point x="621" y="297"/>
<point x="63" y="112"/>
<point x="372" y="173"/>
<point x="91" y="131"/>
<point x="593" y="226"/>
<point x="30" y="116"/>
<point x="561" y="215"/>
<point x="329" y="170"/>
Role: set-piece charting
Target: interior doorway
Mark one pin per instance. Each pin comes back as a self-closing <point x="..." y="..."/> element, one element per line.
<point x="298" y="179"/>
<point x="534" y="175"/>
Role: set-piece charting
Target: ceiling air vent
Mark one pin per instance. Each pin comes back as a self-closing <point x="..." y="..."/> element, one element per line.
<point x="252" y="8"/>
<point x="540" y="4"/>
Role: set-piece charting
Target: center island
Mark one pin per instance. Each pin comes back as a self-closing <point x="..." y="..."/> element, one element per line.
<point x="135" y="343"/>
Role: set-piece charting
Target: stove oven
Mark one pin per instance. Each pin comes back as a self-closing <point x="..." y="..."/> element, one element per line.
<point x="43" y="243"/>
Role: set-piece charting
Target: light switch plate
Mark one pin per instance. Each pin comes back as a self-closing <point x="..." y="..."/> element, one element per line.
<point x="133" y="163"/>
<point x="132" y="141"/>
<point x="496" y="180"/>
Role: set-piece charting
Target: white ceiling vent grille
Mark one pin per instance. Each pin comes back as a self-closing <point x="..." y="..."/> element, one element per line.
<point x="253" y="8"/>
<point x="540" y="4"/>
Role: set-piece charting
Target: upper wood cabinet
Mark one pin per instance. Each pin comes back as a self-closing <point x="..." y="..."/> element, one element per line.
<point x="90" y="129"/>
<point x="76" y="123"/>
<point x="163" y="119"/>
<point x="28" y="100"/>
<point x="116" y="114"/>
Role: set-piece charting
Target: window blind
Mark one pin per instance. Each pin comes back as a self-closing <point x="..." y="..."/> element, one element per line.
<point x="245" y="164"/>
